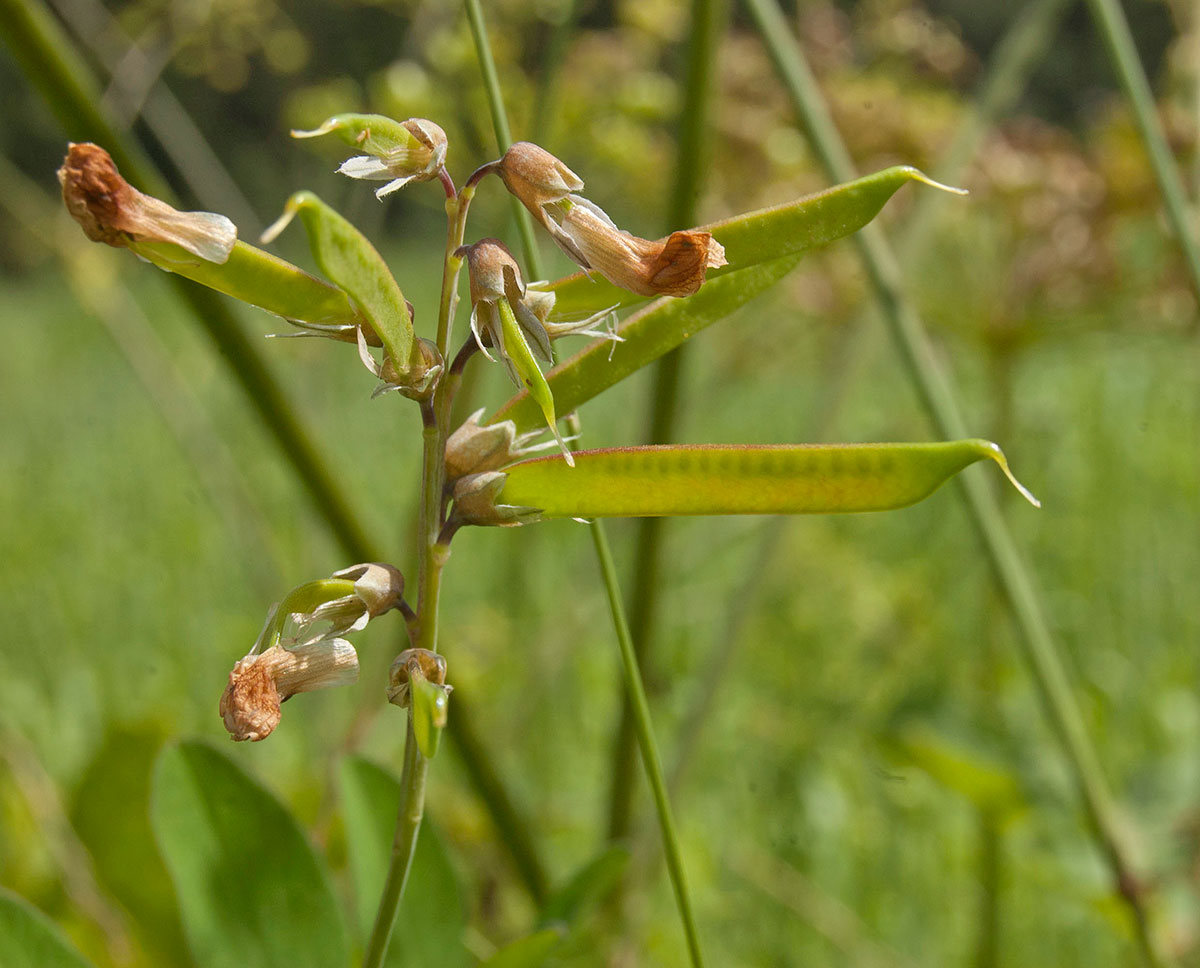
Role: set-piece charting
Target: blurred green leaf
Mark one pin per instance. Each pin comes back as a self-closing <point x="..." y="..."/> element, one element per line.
<point x="251" y="889"/>
<point x="350" y="261"/>
<point x="646" y="335"/>
<point x="591" y="884"/>
<point x="986" y="784"/>
<point x="29" y="939"/>
<point x="110" y="813"/>
<point x="528" y="952"/>
<point x="732" y="479"/>
<point x="755" y="237"/>
<point x="432" y="915"/>
<point x="260" y="279"/>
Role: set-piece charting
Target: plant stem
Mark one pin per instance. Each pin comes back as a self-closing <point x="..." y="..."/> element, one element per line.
<point x="645" y="736"/>
<point x="408" y="826"/>
<point x="1038" y="647"/>
<point x="1114" y="28"/>
<point x="491" y="83"/>
<point x="50" y="63"/>
<point x="707" y="23"/>
<point x="432" y="557"/>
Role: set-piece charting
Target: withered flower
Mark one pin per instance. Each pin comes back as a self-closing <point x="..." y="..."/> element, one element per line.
<point x="396" y="152"/>
<point x="301" y="648"/>
<point x="111" y="210"/>
<point x="475" y="447"/>
<point x="496" y="279"/>
<point x="674" y="266"/>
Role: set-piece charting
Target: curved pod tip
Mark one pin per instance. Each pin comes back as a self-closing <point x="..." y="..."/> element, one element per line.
<point x="917" y="175"/>
<point x="993" y="451"/>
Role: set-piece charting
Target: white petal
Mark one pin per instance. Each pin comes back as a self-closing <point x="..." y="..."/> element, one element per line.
<point x="365" y="166"/>
<point x="393" y="186"/>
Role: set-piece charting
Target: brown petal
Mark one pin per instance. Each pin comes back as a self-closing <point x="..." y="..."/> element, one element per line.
<point x="679" y="268"/>
<point x="250" y="704"/>
<point x="111" y="210"/>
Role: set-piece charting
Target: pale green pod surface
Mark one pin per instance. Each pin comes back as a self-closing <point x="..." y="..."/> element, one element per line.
<point x="645" y="336"/>
<point x="770" y="233"/>
<point x="351" y="262"/>
<point x="720" y="479"/>
<point x="429" y="709"/>
<point x="373" y="134"/>
<point x="260" y="279"/>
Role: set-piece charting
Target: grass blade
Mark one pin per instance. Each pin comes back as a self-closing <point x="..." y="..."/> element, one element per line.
<point x="1038" y="647"/>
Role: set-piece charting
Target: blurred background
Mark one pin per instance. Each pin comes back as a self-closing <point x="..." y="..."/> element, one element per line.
<point x="863" y="772"/>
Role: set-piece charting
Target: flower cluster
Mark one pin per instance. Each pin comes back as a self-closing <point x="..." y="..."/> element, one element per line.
<point x="301" y="648"/>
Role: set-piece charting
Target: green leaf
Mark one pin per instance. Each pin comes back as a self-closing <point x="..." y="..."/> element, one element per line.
<point x="647" y="335"/>
<point x="346" y="257"/>
<point x="110" y="814"/>
<point x="251" y="889"/>
<point x="29" y="939"/>
<point x="432" y="916"/>
<point x="770" y="233"/>
<point x="590" y="885"/>
<point x="987" y="784"/>
<point x="528" y="952"/>
<point x="730" y="479"/>
<point x="260" y="279"/>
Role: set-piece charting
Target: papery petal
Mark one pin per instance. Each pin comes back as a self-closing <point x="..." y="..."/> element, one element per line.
<point x="365" y="166"/>
<point x="317" y="665"/>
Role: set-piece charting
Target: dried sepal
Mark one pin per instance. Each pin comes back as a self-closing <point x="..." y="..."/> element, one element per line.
<point x="429" y="665"/>
<point x="379" y="585"/>
<point x="112" y="211"/>
<point x="475" y="502"/>
<point x="474" y="447"/>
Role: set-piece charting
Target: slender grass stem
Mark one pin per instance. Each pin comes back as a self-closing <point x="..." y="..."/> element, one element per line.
<point x="545" y="105"/>
<point x="1026" y="41"/>
<point x="1038" y="647"/>
<point x="644" y="730"/>
<point x="491" y="83"/>
<point x="1114" y="28"/>
<point x="707" y="25"/>
<point x="408" y="826"/>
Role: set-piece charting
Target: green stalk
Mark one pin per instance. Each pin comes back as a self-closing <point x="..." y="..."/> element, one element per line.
<point x="645" y="736"/>
<point x="408" y="826"/>
<point x="545" y="106"/>
<point x="491" y="83"/>
<point x="50" y="63"/>
<point x="1038" y="648"/>
<point x="633" y="680"/>
<point x="432" y="557"/>
<point x="707" y="22"/>
<point x="1114" y="28"/>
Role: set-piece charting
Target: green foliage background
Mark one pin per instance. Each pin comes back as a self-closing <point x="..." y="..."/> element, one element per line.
<point x="873" y="761"/>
